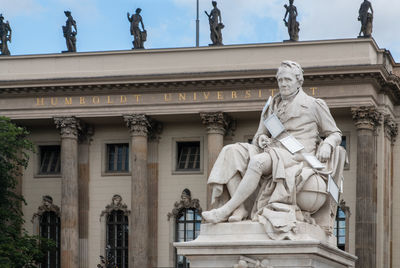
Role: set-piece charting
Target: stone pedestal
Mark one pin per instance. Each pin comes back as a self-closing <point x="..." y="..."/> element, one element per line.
<point x="226" y="245"/>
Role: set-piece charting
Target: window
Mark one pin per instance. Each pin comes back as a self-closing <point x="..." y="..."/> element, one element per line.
<point x="344" y="142"/>
<point x="49" y="159"/>
<point x="117" y="157"/>
<point x="188" y="156"/>
<point x="187" y="229"/>
<point x="117" y="237"/>
<point x="50" y="228"/>
<point x="340" y="228"/>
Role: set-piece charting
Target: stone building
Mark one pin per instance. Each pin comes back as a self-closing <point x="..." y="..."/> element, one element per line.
<point x="120" y="135"/>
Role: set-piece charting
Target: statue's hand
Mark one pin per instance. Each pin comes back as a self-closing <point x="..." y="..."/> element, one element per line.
<point x="324" y="152"/>
<point x="263" y="141"/>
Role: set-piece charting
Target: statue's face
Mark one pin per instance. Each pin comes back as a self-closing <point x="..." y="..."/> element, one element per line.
<point x="287" y="82"/>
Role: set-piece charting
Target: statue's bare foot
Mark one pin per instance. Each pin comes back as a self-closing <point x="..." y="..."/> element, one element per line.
<point x="215" y="215"/>
<point x="239" y="214"/>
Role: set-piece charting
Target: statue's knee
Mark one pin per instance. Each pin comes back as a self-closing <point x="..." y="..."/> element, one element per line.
<point x="256" y="163"/>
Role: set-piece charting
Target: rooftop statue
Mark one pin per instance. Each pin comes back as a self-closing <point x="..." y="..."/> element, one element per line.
<point x="216" y="26"/>
<point x="5" y="36"/>
<point x="292" y="24"/>
<point x="365" y="18"/>
<point x="69" y="33"/>
<point x="139" y="37"/>
<point x="287" y="166"/>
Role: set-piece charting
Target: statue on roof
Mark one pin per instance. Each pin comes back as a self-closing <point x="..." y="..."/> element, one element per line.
<point x="216" y="25"/>
<point x="292" y="24"/>
<point x="366" y="19"/>
<point x="69" y="33"/>
<point x="5" y="36"/>
<point x="139" y="36"/>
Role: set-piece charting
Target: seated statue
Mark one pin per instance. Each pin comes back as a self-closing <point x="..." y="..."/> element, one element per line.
<point x="287" y="188"/>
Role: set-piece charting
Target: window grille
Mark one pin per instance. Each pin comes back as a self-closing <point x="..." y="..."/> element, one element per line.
<point x="340" y="229"/>
<point x="187" y="229"/>
<point x="117" y="237"/>
<point x="50" y="228"/>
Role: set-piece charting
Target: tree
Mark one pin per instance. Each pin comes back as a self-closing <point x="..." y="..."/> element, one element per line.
<point x="17" y="248"/>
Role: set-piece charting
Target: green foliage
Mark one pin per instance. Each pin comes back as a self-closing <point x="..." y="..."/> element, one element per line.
<point x="17" y="248"/>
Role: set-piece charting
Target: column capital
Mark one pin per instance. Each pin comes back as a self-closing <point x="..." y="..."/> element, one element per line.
<point x="216" y="122"/>
<point x="155" y="130"/>
<point x="391" y="127"/>
<point x="69" y="126"/>
<point x="366" y="117"/>
<point x="138" y="124"/>
<point x="86" y="133"/>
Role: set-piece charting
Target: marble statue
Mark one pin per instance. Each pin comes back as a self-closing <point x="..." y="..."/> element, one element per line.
<point x="365" y="18"/>
<point x="139" y="37"/>
<point x="288" y="186"/>
<point x="216" y="25"/>
<point x="69" y="33"/>
<point x="5" y="36"/>
<point x="292" y="24"/>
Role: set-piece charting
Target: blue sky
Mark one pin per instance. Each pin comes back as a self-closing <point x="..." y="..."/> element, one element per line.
<point x="102" y="25"/>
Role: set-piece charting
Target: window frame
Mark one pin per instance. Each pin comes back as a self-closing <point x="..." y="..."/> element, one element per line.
<point x="175" y="154"/>
<point x="337" y="227"/>
<point x="125" y="237"/>
<point x="37" y="160"/>
<point x="104" y="169"/>
<point x="57" y="240"/>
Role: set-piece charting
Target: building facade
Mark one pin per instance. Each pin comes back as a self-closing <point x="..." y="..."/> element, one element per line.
<point x="125" y="141"/>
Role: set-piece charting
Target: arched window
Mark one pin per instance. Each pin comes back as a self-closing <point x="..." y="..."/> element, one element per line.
<point x="47" y="225"/>
<point x="187" y="215"/>
<point x="116" y="233"/>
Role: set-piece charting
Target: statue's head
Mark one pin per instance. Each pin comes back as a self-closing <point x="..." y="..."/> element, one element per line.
<point x="291" y="2"/>
<point x="47" y="200"/>
<point x="138" y="10"/>
<point x="214" y="3"/>
<point x="186" y="196"/>
<point x="116" y="199"/>
<point x="67" y="13"/>
<point x="290" y="77"/>
<point x="1" y="17"/>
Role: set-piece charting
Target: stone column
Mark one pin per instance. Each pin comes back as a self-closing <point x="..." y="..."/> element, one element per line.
<point x="83" y="186"/>
<point x="69" y="127"/>
<point x="366" y="120"/>
<point x="216" y="123"/>
<point x="139" y="126"/>
<point x="391" y="131"/>
<point x="152" y="176"/>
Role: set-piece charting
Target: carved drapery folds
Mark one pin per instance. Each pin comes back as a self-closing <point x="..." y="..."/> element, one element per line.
<point x="185" y="202"/>
<point x="366" y="117"/>
<point x="138" y="124"/>
<point x="217" y="122"/>
<point x="46" y="206"/>
<point x="391" y="128"/>
<point x="116" y="204"/>
<point x="69" y="127"/>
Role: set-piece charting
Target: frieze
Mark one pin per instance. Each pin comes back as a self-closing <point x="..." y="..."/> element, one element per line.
<point x="45" y="102"/>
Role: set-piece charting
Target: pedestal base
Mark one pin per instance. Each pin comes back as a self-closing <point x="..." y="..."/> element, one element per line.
<point x="253" y="248"/>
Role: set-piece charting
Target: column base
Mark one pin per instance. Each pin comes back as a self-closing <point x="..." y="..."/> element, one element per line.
<point x="252" y="247"/>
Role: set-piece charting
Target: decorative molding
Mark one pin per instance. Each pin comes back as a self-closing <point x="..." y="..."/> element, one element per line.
<point x="116" y="204"/>
<point x="366" y="117"/>
<point x="391" y="128"/>
<point x="70" y="127"/>
<point x="185" y="202"/>
<point x="246" y="262"/>
<point x="216" y="122"/>
<point x="138" y="124"/>
<point x="47" y="206"/>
